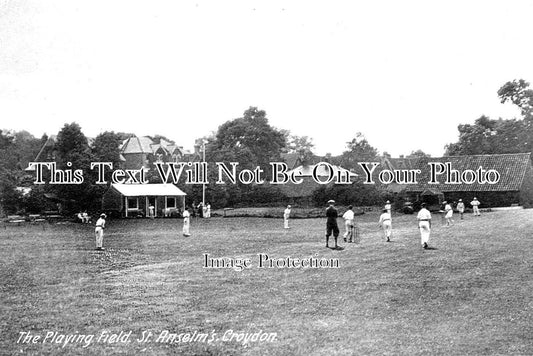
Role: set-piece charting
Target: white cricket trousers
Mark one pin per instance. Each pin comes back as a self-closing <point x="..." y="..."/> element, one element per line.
<point x="348" y="225"/>
<point x="425" y="230"/>
<point x="99" y="233"/>
<point x="387" y="228"/>
<point x="186" y="227"/>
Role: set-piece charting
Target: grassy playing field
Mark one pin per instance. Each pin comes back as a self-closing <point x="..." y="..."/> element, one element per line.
<point x="471" y="294"/>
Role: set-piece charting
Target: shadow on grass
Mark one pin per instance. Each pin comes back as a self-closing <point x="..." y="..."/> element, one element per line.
<point x="338" y="248"/>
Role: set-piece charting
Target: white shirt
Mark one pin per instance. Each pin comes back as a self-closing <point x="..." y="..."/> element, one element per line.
<point x="475" y="202"/>
<point x="100" y="223"/>
<point x="186" y="215"/>
<point x="287" y="213"/>
<point x="384" y="217"/>
<point x="448" y="207"/>
<point x="424" y="214"/>
<point x="348" y="215"/>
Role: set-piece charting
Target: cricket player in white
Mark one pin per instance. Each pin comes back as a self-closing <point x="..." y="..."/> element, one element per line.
<point x="186" y="223"/>
<point x="388" y="207"/>
<point x="461" y="208"/>
<point x="99" y="232"/>
<point x="449" y="213"/>
<point x="424" y="224"/>
<point x="385" y="222"/>
<point x="286" y="215"/>
<point x="475" y="204"/>
<point x="348" y="217"/>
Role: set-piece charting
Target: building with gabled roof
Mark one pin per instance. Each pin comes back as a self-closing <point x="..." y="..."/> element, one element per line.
<point x="515" y="185"/>
<point x="143" y="152"/>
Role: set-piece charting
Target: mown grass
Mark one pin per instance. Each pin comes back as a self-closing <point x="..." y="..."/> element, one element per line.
<point x="471" y="294"/>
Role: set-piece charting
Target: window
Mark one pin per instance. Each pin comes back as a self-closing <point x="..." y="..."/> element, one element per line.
<point x="133" y="203"/>
<point x="171" y="202"/>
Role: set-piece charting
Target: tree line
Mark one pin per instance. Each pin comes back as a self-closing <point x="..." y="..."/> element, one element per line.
<point x="249" y="140"/>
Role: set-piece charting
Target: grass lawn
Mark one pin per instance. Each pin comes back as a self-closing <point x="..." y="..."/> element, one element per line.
<point x="470" y="295"/>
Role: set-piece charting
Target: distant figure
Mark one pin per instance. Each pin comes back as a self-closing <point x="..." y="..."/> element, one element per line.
<point x="424" y="224"/>
<point x="208" y="210"/>
<point x="331" y="223"/>
<point x="99" y="232"/>
<point x="388" y="207"/>
<point x="449" y="213"/>
<point x="186" y="222"/>
<point x="201" y="210"/>
<point x="475" y="205"/>
<point x="348" y="217"/>
<point x="461" y="208"/>
<point x="86" y="218"/>
<point x="151" y="211"/>
<point x="286" y="215"/>
<point x="385" y="222"/>
<point x="80" y="216"/>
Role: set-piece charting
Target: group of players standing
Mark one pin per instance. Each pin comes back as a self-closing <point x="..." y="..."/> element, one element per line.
<point x="385" y="221"/>
<point x="351" y="233"/>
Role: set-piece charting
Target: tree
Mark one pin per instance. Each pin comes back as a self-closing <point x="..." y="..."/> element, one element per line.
<point x="302" y="145"/>
<point x="71" y="146"/>
<point x="518" y="93"/>
<point x="105" y="148"/>
<point x="417" y="154"/>
<point x="488" y="136"/>
<point x="9" y="196"/>
<point x="71" y="142"/>
<point x="250" y="141"/>
<point x="358" y="150"/>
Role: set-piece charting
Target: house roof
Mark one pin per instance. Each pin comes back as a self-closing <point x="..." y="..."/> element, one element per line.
<point x="137" y="145"/>
<point x="511" y="167"/>
<point x="159" y="190"/>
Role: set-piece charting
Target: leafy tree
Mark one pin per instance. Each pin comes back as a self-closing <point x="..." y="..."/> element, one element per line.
<point x="249" y="140"/>
<point x="71" y="142"/>
<point x="157" y="139"/>
<point x="358" y="150"/>
<point x="417" y="154"/>
<point x="9" y="197"/>
<point x="302" y="145"/>
<point x="105" y="148"/>
<point x="518" y="93"/>
<point x="72" y="146"/>
<point x="488" y="136"/>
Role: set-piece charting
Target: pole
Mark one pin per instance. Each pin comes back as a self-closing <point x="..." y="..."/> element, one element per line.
<point x="203" y="185"/>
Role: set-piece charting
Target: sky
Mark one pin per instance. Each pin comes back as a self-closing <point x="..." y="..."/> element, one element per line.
<point x="403" y="73"/>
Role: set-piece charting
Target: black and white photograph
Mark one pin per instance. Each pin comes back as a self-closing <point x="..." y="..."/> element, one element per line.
<point x="206" y="177"/>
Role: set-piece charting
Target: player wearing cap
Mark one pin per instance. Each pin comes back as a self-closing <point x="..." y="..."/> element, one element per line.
<point x="475" y="205"/>
<point x="331" y="223"/>
<point x="386" y="223"/>
<point x="348" y="217"/>
<point x="388" y="207"/>
<point x="424" y="224"/>
<point x="449" y="213"/>
<point x="99" y="232"/>
<point x="286" y="215"/>
<point x="461" y="208"/>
